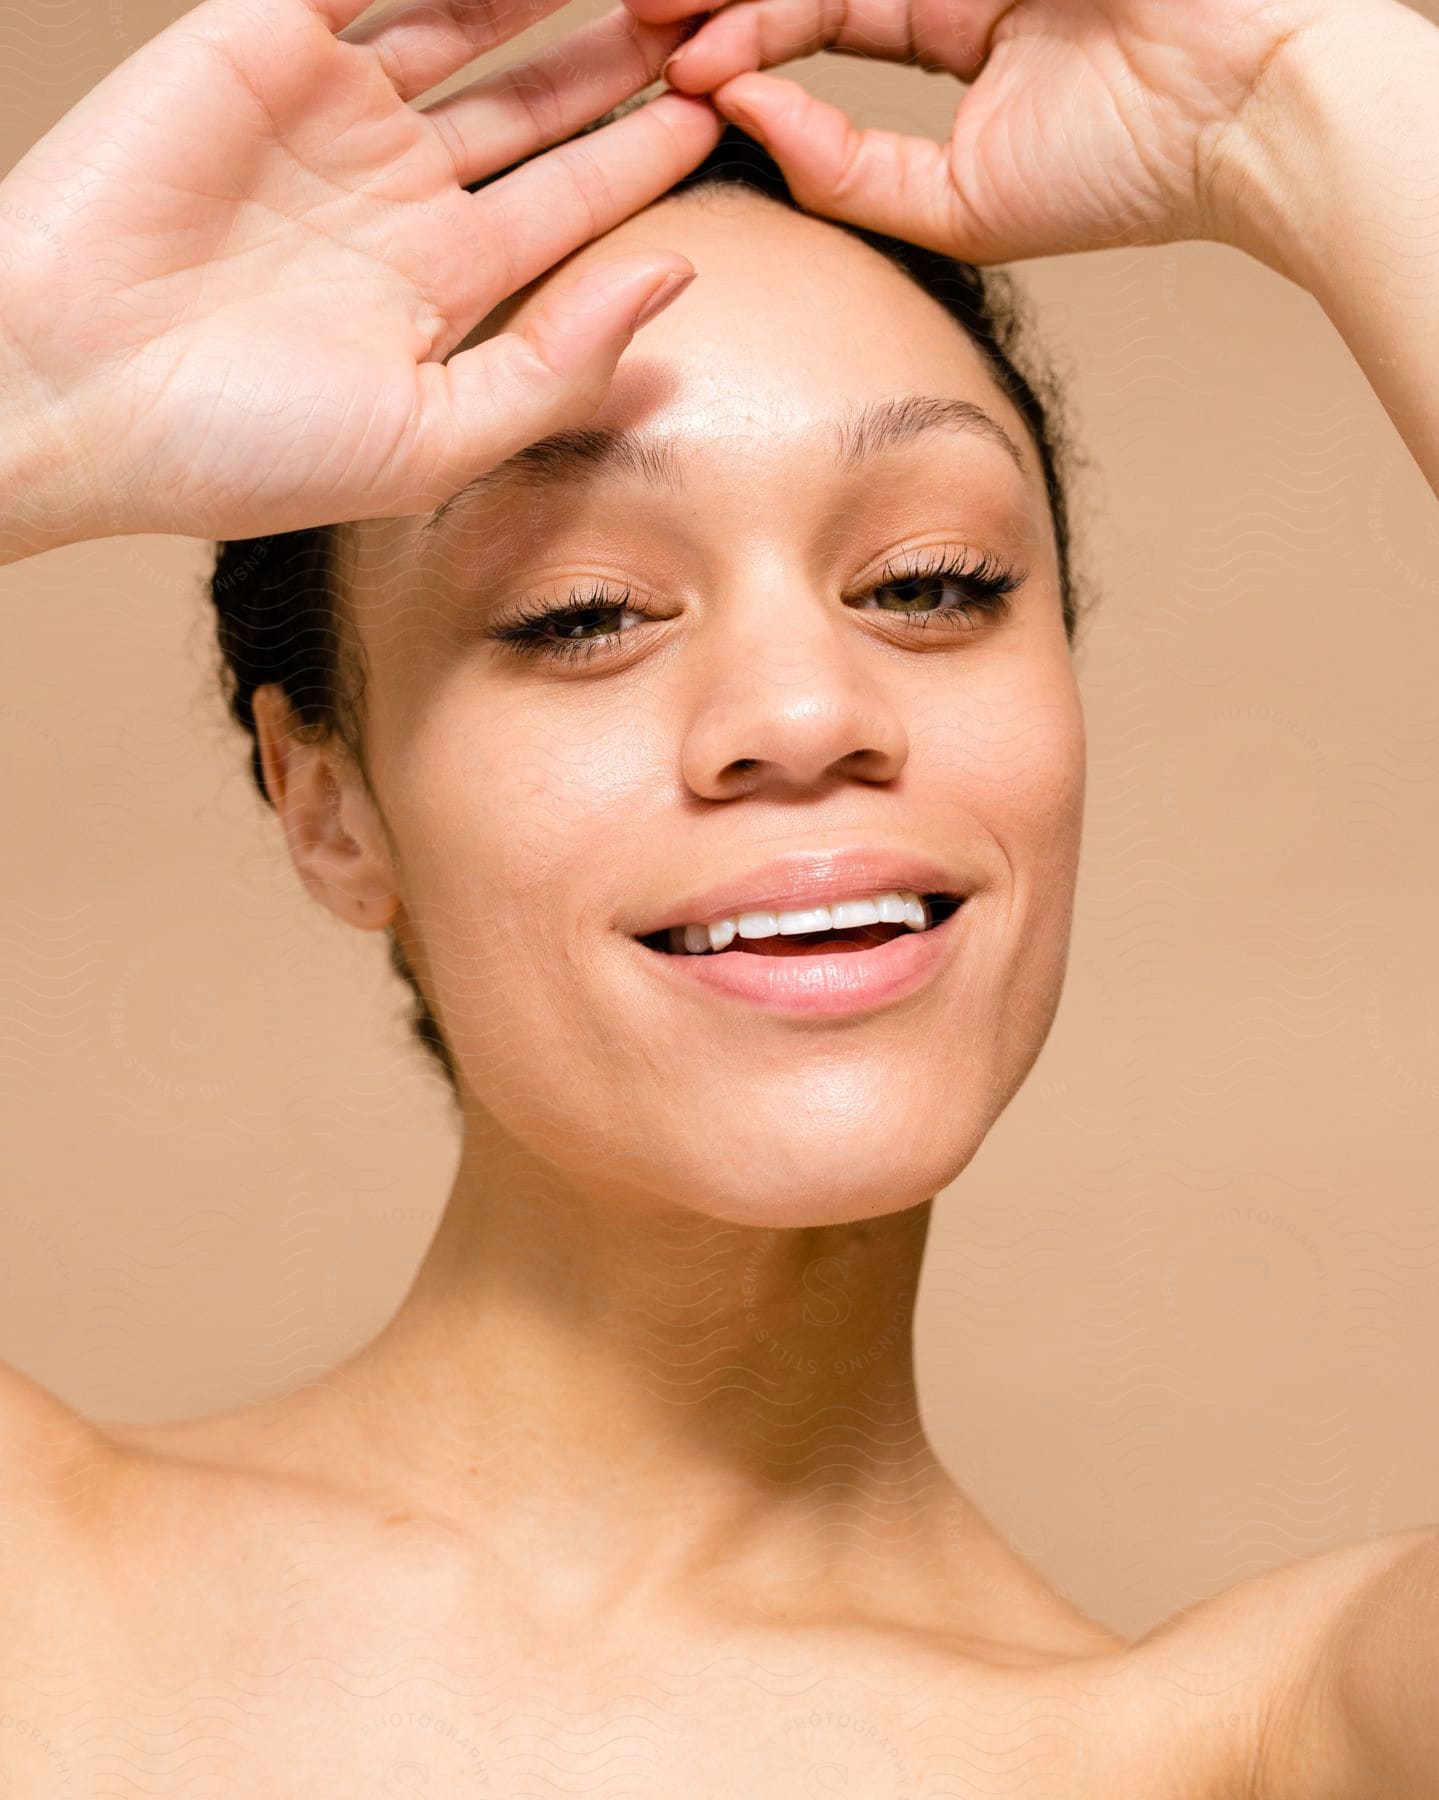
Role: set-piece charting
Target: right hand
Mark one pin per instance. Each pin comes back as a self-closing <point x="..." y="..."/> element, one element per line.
<point x="230" y="272"/>
<point x="1087" y="123"/>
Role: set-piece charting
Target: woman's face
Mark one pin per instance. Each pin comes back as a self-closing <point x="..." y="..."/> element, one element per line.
<point x="748" y="684"/>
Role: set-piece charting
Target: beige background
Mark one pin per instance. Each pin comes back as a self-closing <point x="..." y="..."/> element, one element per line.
<point x="1181" y="1317"/>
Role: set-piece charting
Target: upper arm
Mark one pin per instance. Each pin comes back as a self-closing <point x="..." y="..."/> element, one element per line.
<point x="1377" y="1680"/>
<point x="1347" y="1718"/>
<point x="1271" y="1696"/>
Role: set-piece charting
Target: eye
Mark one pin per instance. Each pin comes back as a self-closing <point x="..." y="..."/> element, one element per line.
<point x="565" y="631"/>
<point x="984" y="587"/>
<point x="588" y="621"/>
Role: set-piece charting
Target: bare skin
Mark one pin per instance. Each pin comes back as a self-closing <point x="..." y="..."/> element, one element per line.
<point x="614" y="1504"/>
<point x="282" y="1631"/>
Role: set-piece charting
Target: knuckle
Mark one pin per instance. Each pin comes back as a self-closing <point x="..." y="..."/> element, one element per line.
<point x="591" y="187"/>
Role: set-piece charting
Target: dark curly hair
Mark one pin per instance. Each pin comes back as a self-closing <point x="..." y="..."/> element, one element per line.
<point x="277" y="600"/>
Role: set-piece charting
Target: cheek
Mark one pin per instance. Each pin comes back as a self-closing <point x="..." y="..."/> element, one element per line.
<point x="514" y="822"/>
<point x="1010" y="755"/>
<point x="1009" y="745"/>
<point x="507" y="794"/>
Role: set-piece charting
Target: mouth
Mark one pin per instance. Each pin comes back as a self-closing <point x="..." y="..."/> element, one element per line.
<point x="854" y="940"/>
<point x="846" y="972"/>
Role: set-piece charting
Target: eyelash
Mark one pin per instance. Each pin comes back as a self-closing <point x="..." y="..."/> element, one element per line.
<point x="988" y="584"/>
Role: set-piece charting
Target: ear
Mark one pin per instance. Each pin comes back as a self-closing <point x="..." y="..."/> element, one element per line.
<point x="335" y="836"/>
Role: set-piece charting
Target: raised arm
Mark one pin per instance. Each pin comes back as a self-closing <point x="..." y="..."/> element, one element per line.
<point x="43" y="484"/>
<point x="1305" y="132"/>
<point x="1334" y="182"/>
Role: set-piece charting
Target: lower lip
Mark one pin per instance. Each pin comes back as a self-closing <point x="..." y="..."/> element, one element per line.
<point x="819" y="985"/>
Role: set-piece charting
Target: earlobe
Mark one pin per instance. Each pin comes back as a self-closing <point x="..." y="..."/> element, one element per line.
<point x="335" y="838"/>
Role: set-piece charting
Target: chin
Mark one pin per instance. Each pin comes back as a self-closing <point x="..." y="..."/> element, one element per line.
<point x="837" y="1184"/>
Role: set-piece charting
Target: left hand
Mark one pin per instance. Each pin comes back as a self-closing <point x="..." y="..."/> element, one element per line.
<point x="1090" y="124"/>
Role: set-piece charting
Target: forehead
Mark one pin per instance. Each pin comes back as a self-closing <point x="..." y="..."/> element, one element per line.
<point x="769" y="369"/>
<point x="789" y="318"/>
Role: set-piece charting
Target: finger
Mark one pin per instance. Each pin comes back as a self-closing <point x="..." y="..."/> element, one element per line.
<point x="882" y="180"/>
<point x="757" y="34"/>
<point x="552" y="204"/>
<point x="487" y="402"/>
<point x="334" y="14"/>
<point x="508" y="116"/>
<point x="663" y="9"/>
<point x="420" y="43"/>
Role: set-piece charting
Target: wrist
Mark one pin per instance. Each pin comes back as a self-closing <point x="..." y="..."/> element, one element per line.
<point x="45" y="484"/>
<point x="1335" y="159"/>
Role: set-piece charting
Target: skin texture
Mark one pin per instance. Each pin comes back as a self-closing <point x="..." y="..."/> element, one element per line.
<point x="635" y="1155"/>
<point x="533" y="811"/>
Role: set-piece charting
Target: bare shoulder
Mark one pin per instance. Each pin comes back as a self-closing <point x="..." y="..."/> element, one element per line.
<point x="51" y="1482"/>
<point x="1250" y="1675"/>
<point x="50" y="1454"/>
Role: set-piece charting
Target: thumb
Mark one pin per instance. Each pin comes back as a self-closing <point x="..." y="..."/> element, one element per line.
<point x="880" y="180"/>
<point x="519" y="386"/>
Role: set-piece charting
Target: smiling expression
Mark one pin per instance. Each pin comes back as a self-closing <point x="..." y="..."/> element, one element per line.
<point x="813" y="609"/>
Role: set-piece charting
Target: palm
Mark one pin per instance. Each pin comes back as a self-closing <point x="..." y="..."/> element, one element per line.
<point x="278" y="230"/>
<point x="1088" y="123"/>
<point x="262" y="252"/>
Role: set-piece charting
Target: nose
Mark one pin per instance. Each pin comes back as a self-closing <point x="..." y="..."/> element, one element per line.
<point x="791" y="700"/>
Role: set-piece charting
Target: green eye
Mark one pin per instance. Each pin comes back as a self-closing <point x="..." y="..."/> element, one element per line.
<point x="985" y="587"/>
<point x="574" y="630"/>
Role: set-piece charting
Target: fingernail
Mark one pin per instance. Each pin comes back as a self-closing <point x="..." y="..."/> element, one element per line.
<point x="688" y="28"/>
<point x="661" y="297"/>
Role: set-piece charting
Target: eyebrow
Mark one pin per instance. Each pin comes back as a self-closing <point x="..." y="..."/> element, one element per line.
<point x="860" y="433"/>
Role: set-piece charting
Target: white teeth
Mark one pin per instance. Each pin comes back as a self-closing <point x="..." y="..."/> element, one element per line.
<point x="895" y="907"/>
<point x="846" y="913"/>
<point x="792" y="923"/>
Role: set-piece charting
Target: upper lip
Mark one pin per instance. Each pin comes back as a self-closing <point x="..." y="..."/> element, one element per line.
<point x="807" y="878"/>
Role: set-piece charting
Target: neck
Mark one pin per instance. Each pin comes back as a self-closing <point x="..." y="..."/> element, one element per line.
<point x="643" y="1409"/>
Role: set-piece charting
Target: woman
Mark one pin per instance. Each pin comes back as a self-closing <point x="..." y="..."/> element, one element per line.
<point x="608" y="1505"/>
